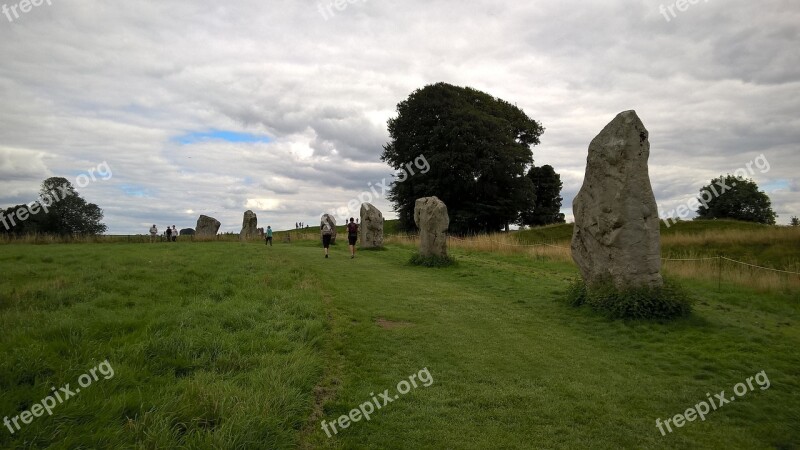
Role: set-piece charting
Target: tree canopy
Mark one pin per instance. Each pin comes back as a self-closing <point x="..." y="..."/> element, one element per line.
<point x="59" y="210"/>
<point x="731" y="197"/>
<point x="545" y="207"/>
<point x="478" y="148"/>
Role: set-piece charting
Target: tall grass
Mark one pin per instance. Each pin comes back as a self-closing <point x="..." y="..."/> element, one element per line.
<point x="721" y="270"/>
<point x="496" y="243"/>
<point x="688" y="246"/>
<point x="770" y="236"/>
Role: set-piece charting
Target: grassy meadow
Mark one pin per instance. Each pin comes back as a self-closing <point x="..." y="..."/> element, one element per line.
<point x="239" y="345"/>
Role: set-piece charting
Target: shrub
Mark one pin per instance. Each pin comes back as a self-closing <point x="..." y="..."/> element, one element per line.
<point x="431" y="261"/>
<point x="668" y="301"/>
<point x="576" y="293"/>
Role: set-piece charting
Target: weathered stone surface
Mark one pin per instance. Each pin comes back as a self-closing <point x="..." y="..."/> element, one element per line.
<point x="616" y="235"/>
<point x="187" y="232"/>
<point x="430" y="215"/>
<point x="206" y="226"/>
<point x="371" y="227"/>
<point x="331" y="221"/>
<point x="249" y="225"/>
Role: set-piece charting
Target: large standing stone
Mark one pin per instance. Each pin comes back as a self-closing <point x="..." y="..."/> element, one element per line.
<point x="616" y="235"/>
<point x="249" y="225"/>
<point x="207" y="226"/>
<point x="430" y="215"/>
<point x="371" y="228"/>
<point x="331" y="221"/>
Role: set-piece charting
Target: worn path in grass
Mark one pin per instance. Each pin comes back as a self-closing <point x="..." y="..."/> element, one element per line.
<point x="515" y="368"/>
<point x="231" y="345"/>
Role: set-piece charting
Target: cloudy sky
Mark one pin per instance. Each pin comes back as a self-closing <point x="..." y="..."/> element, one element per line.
<point x="280" y="106"/>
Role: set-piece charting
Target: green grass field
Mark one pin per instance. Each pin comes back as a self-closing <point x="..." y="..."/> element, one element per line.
<point x="238" y="345"/>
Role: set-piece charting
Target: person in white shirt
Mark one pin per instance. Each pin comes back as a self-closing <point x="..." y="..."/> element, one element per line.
<point x="153" y="233"/>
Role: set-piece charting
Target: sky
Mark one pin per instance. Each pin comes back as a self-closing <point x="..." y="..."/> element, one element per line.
<point x="161" y="111"/>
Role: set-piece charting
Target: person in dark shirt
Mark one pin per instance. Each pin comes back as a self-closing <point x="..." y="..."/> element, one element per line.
<point x="352" y="236"/>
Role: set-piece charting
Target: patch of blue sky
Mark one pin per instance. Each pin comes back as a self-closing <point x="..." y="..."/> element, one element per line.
<point x="777" y="185"/>
<point x="134" y="191"/>
<point x="220" y="135"/>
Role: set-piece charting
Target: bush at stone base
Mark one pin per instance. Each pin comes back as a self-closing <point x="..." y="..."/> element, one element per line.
<point x="665" y="302"/>
<point x="431" y="261"/>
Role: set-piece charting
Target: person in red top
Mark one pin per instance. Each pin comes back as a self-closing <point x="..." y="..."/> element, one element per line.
<point x="352" y="236"/>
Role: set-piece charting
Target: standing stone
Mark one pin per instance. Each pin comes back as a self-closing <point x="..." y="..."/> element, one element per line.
<point x="616" y="235"/>
<point x="207" y="226"/>
<point x="331" y="221"/>
<point x="430" y="215"/>
<point x="371" y="227"/>
<point x="187" y="232"/>
<point x="249" y="225"/>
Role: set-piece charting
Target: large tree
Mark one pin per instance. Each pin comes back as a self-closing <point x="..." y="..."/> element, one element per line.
<point x="477" y="147"/>
<point x="731" y="197"/>
<point x="59" y="210"/>
<point x="545" y="207"/>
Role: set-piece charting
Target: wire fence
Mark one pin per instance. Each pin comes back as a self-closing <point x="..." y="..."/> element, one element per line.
<point x="714" y="268"/>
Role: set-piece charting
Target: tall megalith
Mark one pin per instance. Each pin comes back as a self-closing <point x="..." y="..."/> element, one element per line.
<point x="616" y="236"/>
<point x="371" y="228"/>
<point x="430" y="216"/>
<point x="249" y="225"/>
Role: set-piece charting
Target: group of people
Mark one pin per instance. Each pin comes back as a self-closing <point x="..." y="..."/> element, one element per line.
<point x="171" y="234"/>
<point x="352" y="236"/>
<point x="299" y="225"/>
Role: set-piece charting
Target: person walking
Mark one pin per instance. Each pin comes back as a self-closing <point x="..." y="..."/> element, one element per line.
<point x="174" y="234"/>
<point x="352" y="236"/>
<point x="268" y="236"/>
<point x="326" y="236"/>
<point x="153" y="233"/>
<point x="169" y="234"/>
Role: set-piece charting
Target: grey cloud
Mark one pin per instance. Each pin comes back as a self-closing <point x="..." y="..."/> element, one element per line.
<point x="85" y="82"/>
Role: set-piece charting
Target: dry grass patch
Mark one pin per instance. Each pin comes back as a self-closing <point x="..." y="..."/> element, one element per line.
<point x="390" y="324"/>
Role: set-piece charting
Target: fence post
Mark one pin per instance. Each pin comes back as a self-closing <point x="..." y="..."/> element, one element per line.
<point x="719" y="273"/>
